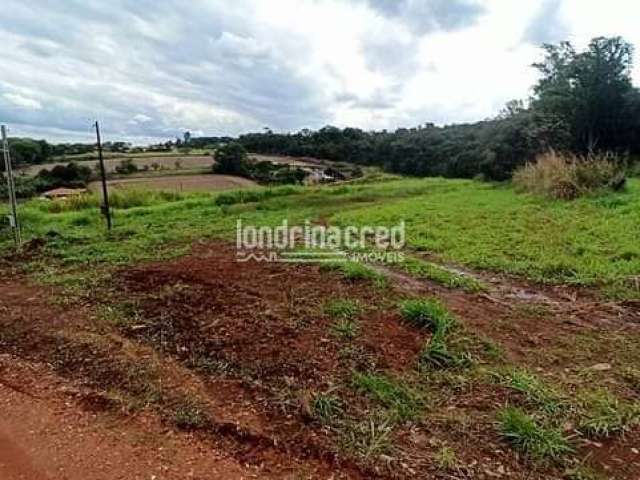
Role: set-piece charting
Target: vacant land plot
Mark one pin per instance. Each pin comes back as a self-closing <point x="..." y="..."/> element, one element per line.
<point x="505" y="346"/>
<point x="178" y="183"/>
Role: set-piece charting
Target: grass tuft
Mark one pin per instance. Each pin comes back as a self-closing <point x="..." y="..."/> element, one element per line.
<point x="530" y="438"/>
<point x="429" y="313"/>
<point x="604" y="415"/>
<point x="356" y="271"/>
<point x="346" y="328"/>
<point x="401" y="400"/>
<point x="341" y="308"/>
<point x="189" y="417"/>
<point x="535" y="391"/>
<point x="326" y="407"/>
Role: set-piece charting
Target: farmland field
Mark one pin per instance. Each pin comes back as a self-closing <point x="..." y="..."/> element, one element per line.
<point x="177" y="183"/>
<point x="505" y="345"/>
<point x="163" y="162"/>
<point x="160" y="162"/>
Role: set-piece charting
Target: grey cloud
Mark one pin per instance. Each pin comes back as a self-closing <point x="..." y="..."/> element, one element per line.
<point x="118" y="59"/>
<point x="425" y="16"/>
<point x="390" y="55"/>
<point x="547" y="26"/>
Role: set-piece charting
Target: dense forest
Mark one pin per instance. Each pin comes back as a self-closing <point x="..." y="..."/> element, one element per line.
<point x="584" y="102"/>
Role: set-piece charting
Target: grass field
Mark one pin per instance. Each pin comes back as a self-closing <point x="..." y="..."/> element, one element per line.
<point x="177" y="183"/>
<point x="591" y="241"/>
<point x="482" y="352"/>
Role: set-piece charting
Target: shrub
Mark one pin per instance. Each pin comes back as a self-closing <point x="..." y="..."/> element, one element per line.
<point x="567" y="177"/>
<point x="126" y="167"/>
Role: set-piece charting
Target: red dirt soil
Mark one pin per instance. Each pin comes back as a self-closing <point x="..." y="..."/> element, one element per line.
<point x="251" y="343"/>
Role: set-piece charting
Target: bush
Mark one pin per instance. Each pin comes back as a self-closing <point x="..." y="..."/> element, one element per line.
<point x="126" y="167"/>
<point x="567" y="177"/>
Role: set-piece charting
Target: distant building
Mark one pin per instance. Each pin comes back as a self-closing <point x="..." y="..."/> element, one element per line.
<point x="63" y="193"/>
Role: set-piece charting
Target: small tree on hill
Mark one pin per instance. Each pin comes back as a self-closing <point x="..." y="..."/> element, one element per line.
<point x="232" y="159"/>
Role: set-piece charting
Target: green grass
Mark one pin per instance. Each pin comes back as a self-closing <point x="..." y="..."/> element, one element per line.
<point x="346" y="328"/>
<point x="356" y="271"/>
<point x="431" y="271"/>
<point x="403" y="402"/>
<point x="589" y="241"/>
<point x="326" y="407"/>
<point x="535" y="391"/>
<point x="437" y="354"/>
<point x="341" y="308"/>
<point x="427" y="313"/>
<point x="531" y="438"/>
<point x="605" y="415"/>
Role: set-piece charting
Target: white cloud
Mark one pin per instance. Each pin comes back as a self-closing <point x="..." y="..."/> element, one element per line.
<point x="149" y="69"/>
<point x="21" y="101"/>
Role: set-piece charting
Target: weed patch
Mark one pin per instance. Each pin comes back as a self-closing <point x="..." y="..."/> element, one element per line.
<point x="531" y="438"/>
<point x="604" y="415"/>
<point x="341" y="308"/>
<point x="401" y="400"/>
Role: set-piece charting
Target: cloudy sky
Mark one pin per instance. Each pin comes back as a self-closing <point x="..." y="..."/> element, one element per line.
<point x="150" y="69"/>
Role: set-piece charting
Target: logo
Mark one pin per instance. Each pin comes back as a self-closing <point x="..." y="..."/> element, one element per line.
<point x="313" y="243"/>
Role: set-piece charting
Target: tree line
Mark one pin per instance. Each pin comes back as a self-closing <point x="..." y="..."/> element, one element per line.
<point x="584" y="102"/>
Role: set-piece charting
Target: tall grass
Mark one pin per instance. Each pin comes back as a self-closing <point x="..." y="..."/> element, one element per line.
<point x="122" y="199"/>
<point x="566" y="177"/>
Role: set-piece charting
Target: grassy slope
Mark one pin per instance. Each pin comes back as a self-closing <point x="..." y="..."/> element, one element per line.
<point x="588" y="241"/>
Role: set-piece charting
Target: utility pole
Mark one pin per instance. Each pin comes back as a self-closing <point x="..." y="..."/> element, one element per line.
<point x="106" y="211"/>
<point x="13" y="217"/>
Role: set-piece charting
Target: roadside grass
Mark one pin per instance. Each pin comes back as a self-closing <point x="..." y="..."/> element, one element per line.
<point x="530" y="437"/>
<point x="401" y="400"/>
<point x="590" y="241"/>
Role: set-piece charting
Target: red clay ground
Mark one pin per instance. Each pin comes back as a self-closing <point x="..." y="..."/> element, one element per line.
<point x="218" y="363"/>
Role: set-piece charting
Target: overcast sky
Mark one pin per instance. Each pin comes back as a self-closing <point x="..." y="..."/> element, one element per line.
<point x="151" y="69"/>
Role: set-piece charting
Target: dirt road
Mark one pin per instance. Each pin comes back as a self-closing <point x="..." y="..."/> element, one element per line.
<point x="46" y="434"/>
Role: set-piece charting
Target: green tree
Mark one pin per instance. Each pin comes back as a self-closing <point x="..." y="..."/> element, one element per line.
<point x="586" y="92"/>
<point x="232" y="159"/>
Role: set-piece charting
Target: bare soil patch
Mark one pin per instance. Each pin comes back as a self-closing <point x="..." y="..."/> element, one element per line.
<point x="234" y="356"/>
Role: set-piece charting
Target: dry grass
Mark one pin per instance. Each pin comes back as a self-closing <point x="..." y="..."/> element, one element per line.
<point x="567" y="177"/>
